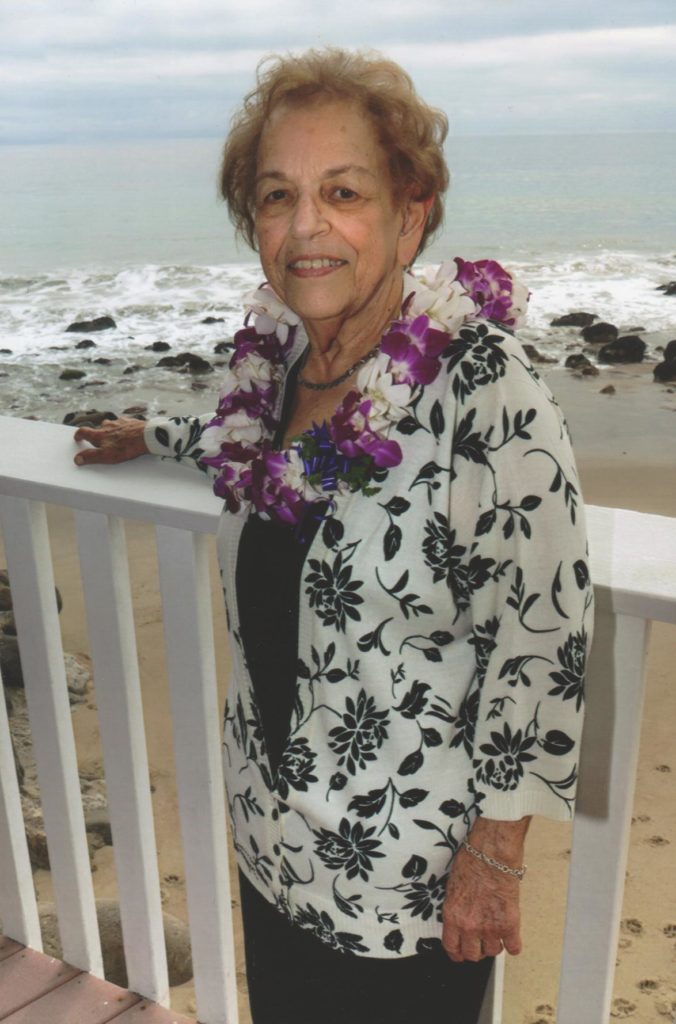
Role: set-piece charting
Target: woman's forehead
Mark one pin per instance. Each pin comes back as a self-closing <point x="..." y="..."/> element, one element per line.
<point x="325" y="131"/>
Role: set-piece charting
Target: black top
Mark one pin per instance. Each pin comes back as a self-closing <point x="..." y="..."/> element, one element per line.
<point x="269" y="565"/>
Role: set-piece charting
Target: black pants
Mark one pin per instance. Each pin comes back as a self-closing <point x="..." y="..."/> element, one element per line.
<point x="295" y="978"/>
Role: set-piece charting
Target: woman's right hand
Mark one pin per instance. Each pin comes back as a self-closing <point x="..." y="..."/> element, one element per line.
<point x="114" y="441"/>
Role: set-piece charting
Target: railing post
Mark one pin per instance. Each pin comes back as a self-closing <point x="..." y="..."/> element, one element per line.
<point x="186" y="599"/>
<point x="615" y="687"/>
<point x="18" y="908"/>
<point x="24" y="526"/>
<point x="491" y="1008"/>
<point x="107" y="590"/>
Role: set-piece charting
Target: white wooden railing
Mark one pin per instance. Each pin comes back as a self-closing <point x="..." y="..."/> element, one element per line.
<point x="633" y="560"/>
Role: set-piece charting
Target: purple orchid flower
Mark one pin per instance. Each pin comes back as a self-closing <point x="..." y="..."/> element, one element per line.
<point x="489" y="285"/>
<point x="256" y="403"/>
<point x="267" y="346"/>
<point x="414" y="349"/>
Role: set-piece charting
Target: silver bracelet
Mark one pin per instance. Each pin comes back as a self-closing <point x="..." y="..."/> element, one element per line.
<point x="506" y="870"/>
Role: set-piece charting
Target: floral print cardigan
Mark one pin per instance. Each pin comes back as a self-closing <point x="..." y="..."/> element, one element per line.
<point x="443" y="630"/>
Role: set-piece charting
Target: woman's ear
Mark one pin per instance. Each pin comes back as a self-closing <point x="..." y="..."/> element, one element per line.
<point x="415" y="214"/>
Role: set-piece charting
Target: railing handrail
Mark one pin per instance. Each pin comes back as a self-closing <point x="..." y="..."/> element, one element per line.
<point x="632" y="554"/>
<point x="36" y="461"/>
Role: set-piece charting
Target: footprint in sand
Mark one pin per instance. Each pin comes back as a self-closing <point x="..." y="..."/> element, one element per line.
<point x="624" y="943"/>
<point x="632" y="926"/>
<point x="662" y="768"/>
<point x="648" y="985"/>
<point x="670" y="931"/>
<point x="644" y="818"/>
<point x="545" y="1014"/>
<point x="658" y="841"/>
<point x="623" y="1008"/>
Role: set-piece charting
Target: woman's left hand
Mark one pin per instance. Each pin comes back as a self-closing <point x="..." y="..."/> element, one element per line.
<point x="481" y="914"/>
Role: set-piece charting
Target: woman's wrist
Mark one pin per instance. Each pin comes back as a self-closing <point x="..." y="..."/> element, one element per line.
<point x="504" y="841"/>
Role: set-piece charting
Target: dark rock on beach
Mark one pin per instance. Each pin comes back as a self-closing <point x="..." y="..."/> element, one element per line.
<point x="600" y="334"/>
<point x="70" y="374"/>
<point x="213" y="320"/>
<point x="670" y="350"/>
<point x="223" y="347"/>
<point x="627" y="349"/>
<point x="665" y="371"/>
<point x="136" y="411"/>
<point x="99" y="323"/>
<point x="574" y="320"/>
<point x="6" y="352"/>
<point x="580" y="362"/>
<point x="133" y="368"/>
<point x="668" y="289"/>
<point x="10" y="662"/>
<point x="10" y="659"/>
<point x="102" y="361"/>
<point x="86" y="343"/>
<point x="536" y="356"/>
<point x="188" y="362"/>
<point x="87" y="418"/>
<point x="158" y="346"/>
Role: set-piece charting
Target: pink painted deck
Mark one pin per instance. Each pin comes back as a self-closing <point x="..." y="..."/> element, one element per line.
<point x="37" y="989"/>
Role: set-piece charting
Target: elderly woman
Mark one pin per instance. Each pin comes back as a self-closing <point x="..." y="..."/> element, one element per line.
<point x="403" y="558"/>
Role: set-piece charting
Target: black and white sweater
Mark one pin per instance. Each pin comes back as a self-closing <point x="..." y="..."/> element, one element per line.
<point x="443" y="630"/>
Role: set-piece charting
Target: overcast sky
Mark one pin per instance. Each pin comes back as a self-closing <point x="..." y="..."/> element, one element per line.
<point x="81" y="70"/>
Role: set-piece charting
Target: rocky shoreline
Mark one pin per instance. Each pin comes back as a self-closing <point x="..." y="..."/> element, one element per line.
<point x="135" y="382"/>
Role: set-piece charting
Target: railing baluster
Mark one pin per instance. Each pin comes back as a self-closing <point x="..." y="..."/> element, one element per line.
<point x="105" y="575"/>
<point x="615" y="686"/>
<point x="18" y="908"/>
<point x="24" y="525"/>
<point x="186" y="599"/>
<point x="491" y="1009"/>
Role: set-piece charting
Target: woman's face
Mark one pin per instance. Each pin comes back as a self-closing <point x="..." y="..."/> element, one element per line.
<point x="329" y="233"/>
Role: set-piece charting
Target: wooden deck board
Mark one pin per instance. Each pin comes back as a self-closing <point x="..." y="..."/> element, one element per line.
<point x="26" y="976"/>
<point x="82" y="1000"/>
<point x="150" y="1013"/>
<point x="37" y="989"/>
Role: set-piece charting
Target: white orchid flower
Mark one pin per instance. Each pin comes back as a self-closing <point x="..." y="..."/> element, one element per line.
<point x="388" y="399"/>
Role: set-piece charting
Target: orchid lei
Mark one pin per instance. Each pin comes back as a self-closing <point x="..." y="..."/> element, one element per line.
<point x="344" y="454"/>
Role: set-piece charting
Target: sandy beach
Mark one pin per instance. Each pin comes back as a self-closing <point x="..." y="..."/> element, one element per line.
<point x="626" y="449"/>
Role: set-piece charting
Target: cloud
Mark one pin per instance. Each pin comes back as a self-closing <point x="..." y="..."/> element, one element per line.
<point x="551" y="47"/>
<point x="171" y="67"/>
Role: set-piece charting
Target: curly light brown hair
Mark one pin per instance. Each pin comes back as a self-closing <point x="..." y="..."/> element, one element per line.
<point x="411" y="132"/>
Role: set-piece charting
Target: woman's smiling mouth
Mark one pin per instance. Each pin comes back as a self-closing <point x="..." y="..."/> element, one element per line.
<point x="314" y="266"/>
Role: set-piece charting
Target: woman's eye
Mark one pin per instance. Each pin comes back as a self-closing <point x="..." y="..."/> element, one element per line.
<point x="277" y="195"/>
<point x="345" y="193"/>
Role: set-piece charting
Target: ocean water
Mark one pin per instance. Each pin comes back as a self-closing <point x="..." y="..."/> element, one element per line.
<point x="136" y="230"/>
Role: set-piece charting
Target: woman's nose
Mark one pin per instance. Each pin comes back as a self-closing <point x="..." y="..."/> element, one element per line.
<point x="308" y="217"/>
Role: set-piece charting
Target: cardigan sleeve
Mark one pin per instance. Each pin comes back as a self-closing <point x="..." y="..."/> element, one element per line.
<point x="530" y="592"/>
<point x="178" y="438"/>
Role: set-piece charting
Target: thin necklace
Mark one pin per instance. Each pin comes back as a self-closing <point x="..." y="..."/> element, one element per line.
<point x="313" y="386"/>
